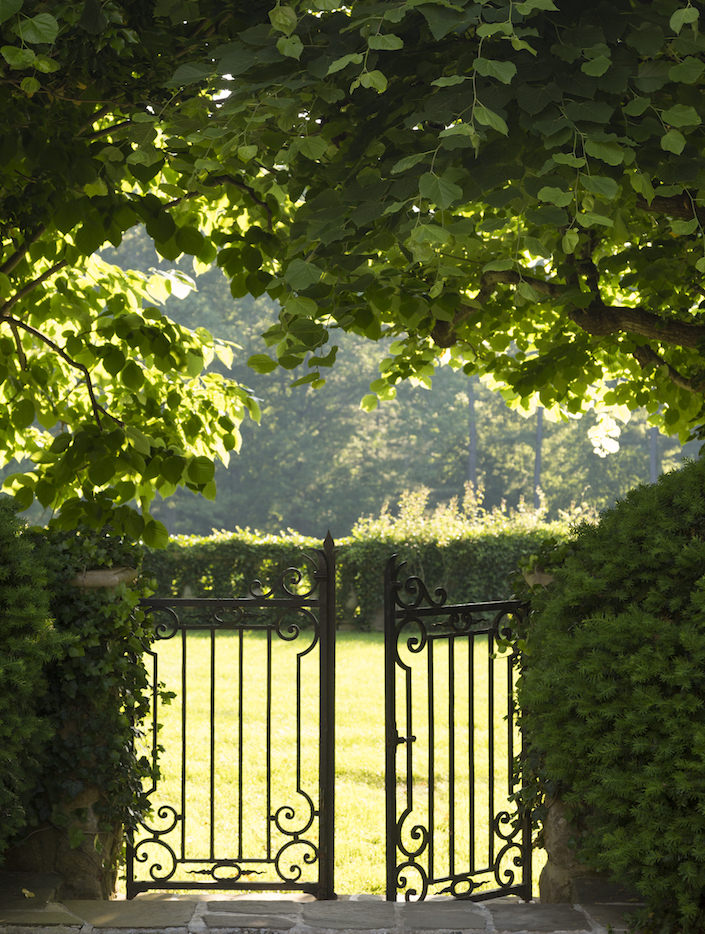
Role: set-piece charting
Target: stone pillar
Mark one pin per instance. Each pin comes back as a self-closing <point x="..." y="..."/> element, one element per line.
<point x="563" y="866"/>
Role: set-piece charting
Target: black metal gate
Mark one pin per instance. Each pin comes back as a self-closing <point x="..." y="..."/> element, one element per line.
<point x="451" y="738"/>
<point x="245" y="821"/>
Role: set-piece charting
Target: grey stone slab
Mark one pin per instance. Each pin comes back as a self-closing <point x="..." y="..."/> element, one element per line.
<point x="256" y="907"/>
<point x="613" y="916"/>
<point x="32" y="889"/>
<point x="532" y="917"/>
<point x="134" y="914"/>
<point x="49" y="917"/>
<point x="594" y="890"/>
<point x="444" y="914"/>
<point x="350" y="916"/>
<point x="254" y="922"/>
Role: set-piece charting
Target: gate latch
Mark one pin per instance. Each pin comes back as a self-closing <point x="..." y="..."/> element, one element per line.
<point x="405" y="739"/>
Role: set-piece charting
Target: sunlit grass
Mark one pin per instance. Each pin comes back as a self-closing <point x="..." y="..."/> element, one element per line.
<point x="226" y="798"/>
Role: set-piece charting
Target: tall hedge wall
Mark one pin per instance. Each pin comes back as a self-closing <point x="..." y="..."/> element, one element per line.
<point x="471" y="553"/>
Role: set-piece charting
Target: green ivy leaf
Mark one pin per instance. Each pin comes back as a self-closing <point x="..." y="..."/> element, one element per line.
<point x="8" y="8"/>
<point x="681" y="17"/>
<point x="42" y="28"/>
<point x="673" y="141"/>
<point x="555" y="196"/>
<point x="681" y="115"/>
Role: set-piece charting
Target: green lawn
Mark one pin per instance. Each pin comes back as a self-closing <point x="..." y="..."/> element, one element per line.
<point x="240" y="804"/>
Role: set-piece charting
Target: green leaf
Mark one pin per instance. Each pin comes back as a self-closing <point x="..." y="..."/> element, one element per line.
<point x="528" y="6"/>
<point x="339" y="63"/>
<point x="42" y="28"/>
<point x="590" y="219"/>
<point x="488" y="117"/>
<point x="570" y="240"/>
<point x="681" y="115"/>
<point x="439" y="190"/>
<point x="283" y="19"/>
<point x="673" y="141"/>
<point x="261" y="363"/>
<point x="611" y="153"/>
<point x="641" y="184"/>
<point x="313" y="147"/>
<point x="388" y="42"/>
<point x="155" y="534"/>
<point x="600" y="185"/>
<point x="683" y="16"/>
<point x="596" y="66"/>
<point x="8" y="8"/>
<point x="503" y="71"/>
<point x="172" y="468"/>
<point x="132" y="375"/>
<point x="290" y="47"/>
<point x="450" y="81"/>
<point x="637" y="106"/>
<point x="30" y="86"/>
<point x="22" y="414"/>
<point x="17" y="57"/>
<point x="688" y="71"/>
<point x="369" y="402"/>
<point x="374" y="79"/>
<point x="685" y="228"/>
<point x="555" y="196"/>
<point x="300" y="274"/>
<point x="189" y="240"/>
<point x="408" y="162"/>
<point x="201" y="470"/>
<point x="190" y="73"/>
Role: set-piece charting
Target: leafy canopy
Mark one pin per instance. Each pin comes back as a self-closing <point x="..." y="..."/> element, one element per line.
<point x="513" y="188"/>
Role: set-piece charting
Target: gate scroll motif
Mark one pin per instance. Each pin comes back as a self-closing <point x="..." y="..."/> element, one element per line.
<point x="451" y="738"/>
<point x="279" y="832"/>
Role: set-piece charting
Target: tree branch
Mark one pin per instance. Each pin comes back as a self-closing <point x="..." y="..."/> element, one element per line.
<point x="98" y="409"/>
<point x="648" y="359"/>
<point x="25" y="290"/>
<point x="227" y="180"/>
<point x="107" y="130"/>
<point x="680" y="206"/>
<point x="12" y="261"/>
<point x="602" y="320"/>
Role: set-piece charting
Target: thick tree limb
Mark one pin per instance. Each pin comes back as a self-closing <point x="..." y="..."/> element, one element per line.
<point x="679" y="206"/>
<point x="15" y="258"/>
<point x="98" y="409"/>
<point x="602" y="320"/>
<point x="648" y="359"/>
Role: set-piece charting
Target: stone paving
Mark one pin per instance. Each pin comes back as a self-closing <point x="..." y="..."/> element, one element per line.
<point x="28" y="906"/>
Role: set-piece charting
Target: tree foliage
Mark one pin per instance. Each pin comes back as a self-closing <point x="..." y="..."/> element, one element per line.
<point x="510" y="187"/>
<point x="514" y="187"/>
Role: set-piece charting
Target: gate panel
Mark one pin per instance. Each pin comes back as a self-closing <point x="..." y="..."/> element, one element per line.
<point x="451" y="739"/>
<point x="244" y="797"/>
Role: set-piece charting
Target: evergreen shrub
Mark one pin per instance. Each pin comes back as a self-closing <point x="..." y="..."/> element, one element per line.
<point x="460" y="546"/>
<point x="613" y="695"/>
<point x="28" y="642"/>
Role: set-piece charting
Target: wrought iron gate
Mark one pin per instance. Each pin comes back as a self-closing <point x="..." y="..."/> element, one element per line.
<point x="450" y="743"/>
<point x="245" y="823"/>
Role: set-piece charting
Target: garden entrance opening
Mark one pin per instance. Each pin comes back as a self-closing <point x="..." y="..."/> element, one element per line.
<point x="242" y="739"/>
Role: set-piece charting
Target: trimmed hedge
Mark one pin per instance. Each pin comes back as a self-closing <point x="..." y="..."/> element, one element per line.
<point x="471" y="553"/>
<point x="613" y="695"/>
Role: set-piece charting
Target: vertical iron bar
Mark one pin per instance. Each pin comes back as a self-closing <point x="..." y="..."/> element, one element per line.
<point x="212" y="748"/>
<point x="490" y="744"/>
<point x="240" y="740"/>
<point x="431" y="761"/>
<point x="326" y="649"/>
<point x="390" y="731"/>
<point x="183" y="742"/>
<point x="510" y="725"/>
<point x="268" y="741"/>
<point x="451" y="753"/>
<point x="471" y="750"/>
